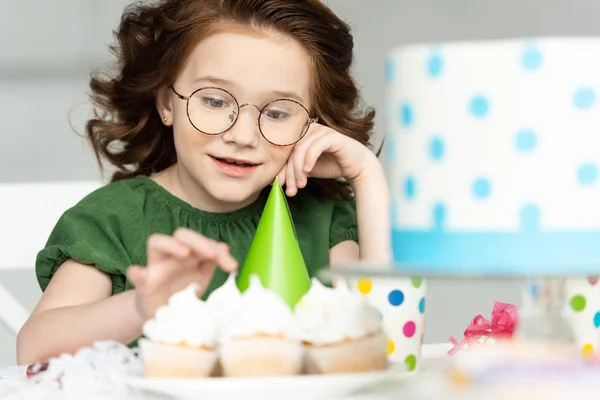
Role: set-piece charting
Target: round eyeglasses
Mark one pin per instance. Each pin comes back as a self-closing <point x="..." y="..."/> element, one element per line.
<point x="213" y="111"/>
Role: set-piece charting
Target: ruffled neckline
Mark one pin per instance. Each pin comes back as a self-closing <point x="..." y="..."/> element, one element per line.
<point x="249" y="211"/>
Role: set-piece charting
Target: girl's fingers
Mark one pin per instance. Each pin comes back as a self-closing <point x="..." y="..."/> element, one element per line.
<point x="207" y="250"/>
<point x="281" y="175"/>
<point x="299" y="157"/>
<point x="323" y="144"/>
<point x="224" y="258"/>
<point x="163" y="247"/>
<point x="201" y="246"/>
<point x="290" y="183"/>
<point x="138" y="276"/>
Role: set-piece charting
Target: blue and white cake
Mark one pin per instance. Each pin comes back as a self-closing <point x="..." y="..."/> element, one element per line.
<point x="493" y="154"/>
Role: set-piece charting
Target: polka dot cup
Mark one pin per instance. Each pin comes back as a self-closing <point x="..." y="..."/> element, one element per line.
<point x="401" y="303"/>
<point x="583" y="309"/>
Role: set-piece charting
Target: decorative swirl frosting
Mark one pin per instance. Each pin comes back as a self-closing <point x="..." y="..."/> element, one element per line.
<point x="261" y="312"/>
<point x="184" y="320"/>
<point x="328" y="316"/>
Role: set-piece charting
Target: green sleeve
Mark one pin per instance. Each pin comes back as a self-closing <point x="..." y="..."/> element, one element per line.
<point x="344" y="225"/>
<point x="89" y="234"/>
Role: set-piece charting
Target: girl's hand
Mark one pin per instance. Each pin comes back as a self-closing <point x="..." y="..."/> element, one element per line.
<point x="325" y="153"/>
<point x="173" y="263"/>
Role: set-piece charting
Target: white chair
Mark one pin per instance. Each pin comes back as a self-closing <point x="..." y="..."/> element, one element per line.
<point x="28" y="212"/>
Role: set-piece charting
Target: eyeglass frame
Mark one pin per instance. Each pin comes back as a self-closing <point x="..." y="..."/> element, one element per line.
<point x="311" y="120"/>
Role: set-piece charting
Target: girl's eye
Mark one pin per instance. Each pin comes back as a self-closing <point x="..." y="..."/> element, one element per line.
<point x="213" y="102"/>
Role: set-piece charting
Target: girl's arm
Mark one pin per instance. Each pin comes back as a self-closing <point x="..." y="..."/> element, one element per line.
<point x="75" y="310"/>
<point x="373" y="214"/>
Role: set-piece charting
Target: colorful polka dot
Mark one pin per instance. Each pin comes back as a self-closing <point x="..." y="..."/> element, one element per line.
<point x="529" y="217"/>
<point x="584" y="98"/>
<point x="365" y="285"/>
<point x="531" y="58"/>
<point x="435" y="64"/>
<point x="416" y="281"/>
<point x="436" y="148"/>
<point x="479" y="106"/>
<point x="587" y="350"/>
<point x="406" y="115"/>
<point x="592" y="280"/>
<point x="526" y="140"/>
<point x="587" y="174"/>
<point x="411" y="362"/>
<point x="597" y="319"/>
<point x="422" y="305"/>
<point x="439" y="215"/>
<point x="409" y="329"/>
<point x="396" y="297"/>
<point x="482" y="188"/>
<point x="577" y="303"/>
<point x="410" y="187"/>
<point x="533" y="290"/>
<point x="390" y="347"/>
<point x="390" y="70"/>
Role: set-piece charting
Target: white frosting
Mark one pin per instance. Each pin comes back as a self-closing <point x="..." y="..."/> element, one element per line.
<point x="328" y="316"/>
<point x="261" y="312"/>
<point x="224" y="301"/>
<point x="185" y="319"/>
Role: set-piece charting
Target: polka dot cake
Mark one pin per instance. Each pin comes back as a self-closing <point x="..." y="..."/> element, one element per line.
<point x="493" y="150"/>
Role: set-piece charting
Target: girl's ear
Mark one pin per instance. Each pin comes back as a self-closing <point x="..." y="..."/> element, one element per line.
<point x="164" y="105"/>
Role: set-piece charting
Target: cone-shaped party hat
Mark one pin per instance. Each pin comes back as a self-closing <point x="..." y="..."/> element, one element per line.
<point x="275" y="254"/>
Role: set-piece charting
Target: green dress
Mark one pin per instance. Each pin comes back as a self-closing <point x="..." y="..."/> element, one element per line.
<point x="110" y="227"/>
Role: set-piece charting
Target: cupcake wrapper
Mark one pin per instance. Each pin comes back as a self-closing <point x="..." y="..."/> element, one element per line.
<point x="361" y="355"/>
<point x="260" y="357"/>
<point x="169" y="361"/>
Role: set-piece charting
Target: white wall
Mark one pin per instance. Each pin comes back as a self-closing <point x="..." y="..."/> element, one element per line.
<point x="48" y="48"/>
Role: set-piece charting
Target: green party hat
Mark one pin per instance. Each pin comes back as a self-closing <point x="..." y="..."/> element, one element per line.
<point x="275" y="255"/>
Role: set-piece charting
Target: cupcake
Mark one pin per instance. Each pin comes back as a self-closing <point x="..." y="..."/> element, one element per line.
<point x="180" y="341"/>
<point x="262" y="338"/>
<point x="223" y="302"/>
<point x="341" y="331"/>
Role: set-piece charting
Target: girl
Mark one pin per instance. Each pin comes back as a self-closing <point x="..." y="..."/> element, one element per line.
<point x="211" y="101"/>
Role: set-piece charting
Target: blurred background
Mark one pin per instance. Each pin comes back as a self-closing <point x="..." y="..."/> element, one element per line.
<point x="49" y="47"/>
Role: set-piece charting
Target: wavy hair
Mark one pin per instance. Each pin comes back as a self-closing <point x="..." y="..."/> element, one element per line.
<point x="153" y="41"/>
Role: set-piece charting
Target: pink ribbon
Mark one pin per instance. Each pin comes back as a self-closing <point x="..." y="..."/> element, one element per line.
<point x="480" y="330"/>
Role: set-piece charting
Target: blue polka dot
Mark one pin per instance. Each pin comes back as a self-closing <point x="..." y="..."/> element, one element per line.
<point x="406" y="115"/>
<point x="526" y="140"/>
<point x="439" y="215"/>
<point x="482" y="188"/>
<point x="597" y="319"/>
<point x="531" y="58"/>
<point x="587" y="174"/>
<point x="422" y="305"/>
<point x="409" y="187"/>
<point x="396" y="297"/>
<point x="390" y="147"/>
<point x="534" y="291"/>
<point x="436" y="148"/>
<point x="480" y="106"/>
<point x="435" y="64"/>
<point x="390" y="70"/>
<point x="584" y="98"/>
<point x="529" y="217"/>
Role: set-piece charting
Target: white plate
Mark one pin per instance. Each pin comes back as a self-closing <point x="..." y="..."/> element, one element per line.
<point x="281" y="388"/>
